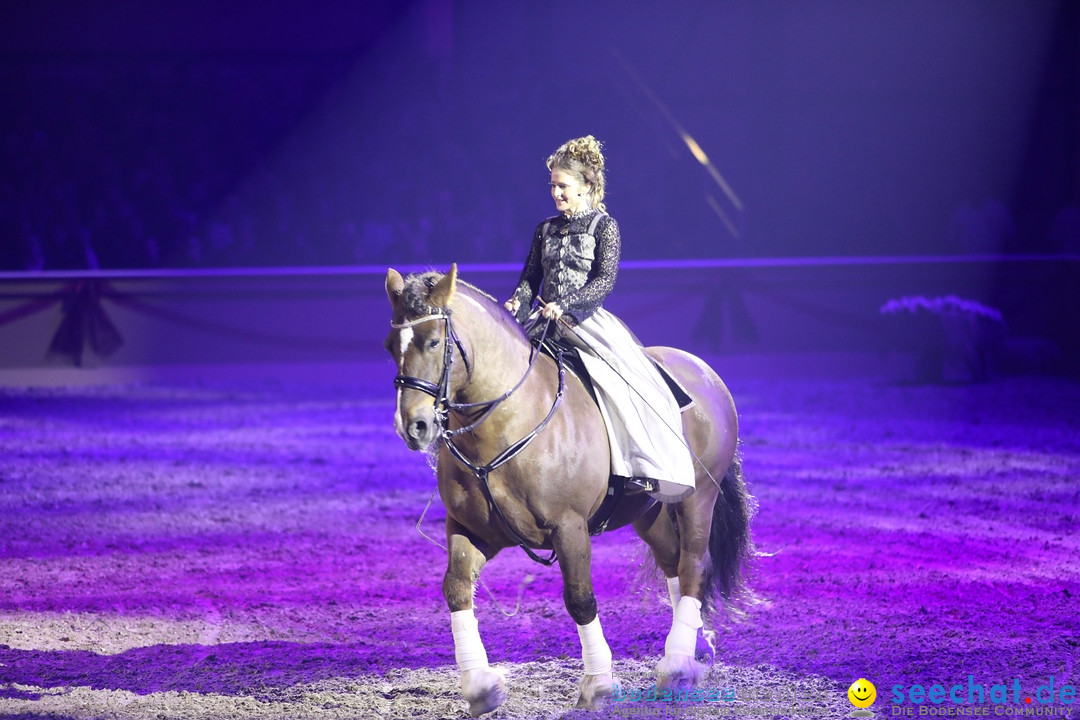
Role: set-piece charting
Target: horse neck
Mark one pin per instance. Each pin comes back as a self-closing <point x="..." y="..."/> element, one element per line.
<point x="497" y="349"/>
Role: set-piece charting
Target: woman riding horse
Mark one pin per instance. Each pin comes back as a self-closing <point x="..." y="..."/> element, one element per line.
<point x="525" y="455"/>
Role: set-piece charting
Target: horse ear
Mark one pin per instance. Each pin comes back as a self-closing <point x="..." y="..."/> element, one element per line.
<point x="394" y="285"/>
<point x="443" y="291"/>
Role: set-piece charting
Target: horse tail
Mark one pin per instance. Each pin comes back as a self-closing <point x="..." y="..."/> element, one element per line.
<point x="731" y="548"/>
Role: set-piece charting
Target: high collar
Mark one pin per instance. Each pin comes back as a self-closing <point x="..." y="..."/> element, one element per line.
<point x="576" y="223"/>
<point x="587" y="212"/>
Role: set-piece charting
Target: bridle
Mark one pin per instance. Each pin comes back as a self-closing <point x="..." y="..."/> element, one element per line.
<point x="440" y="392"/>
<point x="444" y="406"/>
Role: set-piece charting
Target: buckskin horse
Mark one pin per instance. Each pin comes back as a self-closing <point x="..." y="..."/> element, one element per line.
<point x="523" y="460"/>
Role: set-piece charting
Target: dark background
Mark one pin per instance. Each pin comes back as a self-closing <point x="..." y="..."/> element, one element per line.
<point x="197" y="133"/>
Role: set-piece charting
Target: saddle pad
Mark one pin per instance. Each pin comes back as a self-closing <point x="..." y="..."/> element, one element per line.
<point x="682" y="398"/>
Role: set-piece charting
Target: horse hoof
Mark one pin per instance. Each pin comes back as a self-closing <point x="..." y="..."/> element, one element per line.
<point x="595" y="691"/>
<point x="485" y="689"/>
<point x="677" y="672"/>
<point x="705" y="651"/>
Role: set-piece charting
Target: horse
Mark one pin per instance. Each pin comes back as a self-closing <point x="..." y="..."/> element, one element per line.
<point x="522" y="460"/>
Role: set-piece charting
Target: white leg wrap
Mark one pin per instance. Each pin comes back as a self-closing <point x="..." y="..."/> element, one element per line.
<point x="468" y="649"/>
<point x="682" y="639"/>
<point x="594" y="648"/>
<point x="675" y="591"/>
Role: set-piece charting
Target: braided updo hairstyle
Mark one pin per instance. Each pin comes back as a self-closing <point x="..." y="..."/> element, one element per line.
<point x="582" y="157"/>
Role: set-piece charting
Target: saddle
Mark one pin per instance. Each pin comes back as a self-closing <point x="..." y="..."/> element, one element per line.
<point x="572" y="359"/>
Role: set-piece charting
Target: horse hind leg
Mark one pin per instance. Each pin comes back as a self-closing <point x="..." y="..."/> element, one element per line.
<point x="704" y="649"/>
<point x="680" y="667"/>
<point x="686" y="649"/>
<point x="715" y="545"/>
<point x="483" y="687"/>
<point x="575" y="560"/>
<point x="657" y="527"/>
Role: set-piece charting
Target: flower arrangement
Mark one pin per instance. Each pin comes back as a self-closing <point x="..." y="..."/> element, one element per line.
<point x="946" y="305"/>
<point x="951" y="336"/>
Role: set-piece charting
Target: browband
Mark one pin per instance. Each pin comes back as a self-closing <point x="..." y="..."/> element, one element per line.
<point x="417" y="321"/>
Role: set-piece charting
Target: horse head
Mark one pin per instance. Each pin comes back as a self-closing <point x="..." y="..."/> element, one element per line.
<point x="422" y="343"/>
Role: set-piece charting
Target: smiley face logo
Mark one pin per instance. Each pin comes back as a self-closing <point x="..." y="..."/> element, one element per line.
<point x="862" y="693"/>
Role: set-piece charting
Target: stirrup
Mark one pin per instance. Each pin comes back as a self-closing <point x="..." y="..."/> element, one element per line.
<point x="637" y="485"/>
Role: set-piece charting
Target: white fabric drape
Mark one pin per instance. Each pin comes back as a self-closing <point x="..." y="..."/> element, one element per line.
<point x="643" y="420"/>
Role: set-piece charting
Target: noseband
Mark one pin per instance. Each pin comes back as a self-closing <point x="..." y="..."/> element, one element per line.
<point x="440" y="392"/>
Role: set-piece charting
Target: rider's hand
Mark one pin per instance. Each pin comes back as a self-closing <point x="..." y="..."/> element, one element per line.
<point x="512" y="305"/>
<point x="552" y="311"/>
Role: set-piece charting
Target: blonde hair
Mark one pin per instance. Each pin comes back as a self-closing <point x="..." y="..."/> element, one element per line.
<point x="582" y="157"/>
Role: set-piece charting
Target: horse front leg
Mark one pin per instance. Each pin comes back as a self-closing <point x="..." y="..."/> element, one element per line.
<point x="575" y="559"/>
<point x="483" y="687"/>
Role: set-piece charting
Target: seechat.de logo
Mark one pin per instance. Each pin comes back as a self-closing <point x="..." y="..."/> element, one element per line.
<point x="862" y="695"/>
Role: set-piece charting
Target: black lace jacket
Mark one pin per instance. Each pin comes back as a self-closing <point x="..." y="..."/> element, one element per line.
<point x="577" y="268"/>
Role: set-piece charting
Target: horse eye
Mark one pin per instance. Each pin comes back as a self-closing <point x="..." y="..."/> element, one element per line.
<point x="433" y="343"/>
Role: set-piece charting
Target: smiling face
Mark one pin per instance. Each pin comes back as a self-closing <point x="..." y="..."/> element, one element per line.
<point x="862" y="693"/>
<point x="570" y="194"/>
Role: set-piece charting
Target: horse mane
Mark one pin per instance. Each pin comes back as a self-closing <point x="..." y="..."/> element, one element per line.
<point x="414" y="297"/>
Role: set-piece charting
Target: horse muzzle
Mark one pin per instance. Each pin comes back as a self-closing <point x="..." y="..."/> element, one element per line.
<point x="419" y="430"/>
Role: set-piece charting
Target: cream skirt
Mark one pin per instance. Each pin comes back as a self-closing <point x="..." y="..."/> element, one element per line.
<point x="643" y="420"/>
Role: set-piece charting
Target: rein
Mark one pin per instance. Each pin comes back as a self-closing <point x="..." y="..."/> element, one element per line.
<point x="443" y="407"/>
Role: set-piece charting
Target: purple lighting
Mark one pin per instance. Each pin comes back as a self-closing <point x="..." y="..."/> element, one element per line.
<point x="251" y="540"/>
<point x="864" y="214"/>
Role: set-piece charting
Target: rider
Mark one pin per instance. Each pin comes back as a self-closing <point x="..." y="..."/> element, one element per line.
<point x="574" y="257"/>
